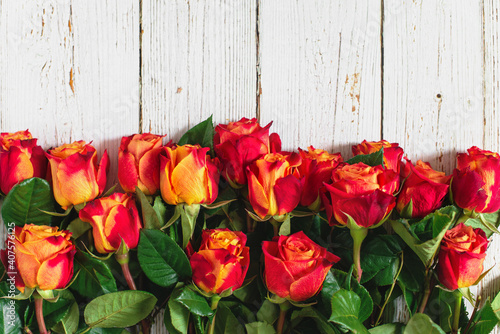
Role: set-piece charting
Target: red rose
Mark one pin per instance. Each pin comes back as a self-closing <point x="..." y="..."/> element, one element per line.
<point x="362" y="192"/>
<point x="139" y="163"/>
<point x="238" y="144"/>
<point x="222" y="261"/>
<point x="20" y="159"/>
<point x="295" y="266"/>
<point x="461" y="256"/>
<point x="272" y="187"/>
<point x="476" y="181"/>
<point x="316" y="168"/>
<point x="424" y="187"/>
<point x="392" y="152"/>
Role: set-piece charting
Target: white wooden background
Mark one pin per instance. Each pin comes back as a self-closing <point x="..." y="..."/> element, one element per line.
<point x="328" y="73"/>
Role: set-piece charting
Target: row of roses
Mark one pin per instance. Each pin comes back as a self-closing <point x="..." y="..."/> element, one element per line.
<point x="353" y="194"/>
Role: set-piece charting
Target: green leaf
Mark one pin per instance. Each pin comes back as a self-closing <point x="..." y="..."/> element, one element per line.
<point x="488" y="222"/>
<point x="495" y="305"/>
<point x="24" y="202"/>
<point x="189" y="213"/>
<point x="55" y="312"/>
<point x="259" y="327"/>
<point x="161" y="259"/>
<point x="119" y="309"/>
<point x="95" y="277"/>
<point x="421" y="323"/>
<point x="373" y="159"/>
<point x="78" y="227"/>
<point x="176" y="317"/>
<point x="150" y="217"/>
<point x="285" y="226"/>
<point x="308" y="312"/>
<point x="388" y="329"/>
<point x="160" y="209"/>
<point x="345" y="311"/>
<point x="268" y="312"/>
<point x="427" y="250"/>
<point x="68" y="323"/>
<point x="201" y="134"/>
<point x="226" y="322"/>
<point x="195" y="303"/>
<point x="484" y="320"/>
<point x="380" y="255"/>
<point x="10" y="320"/>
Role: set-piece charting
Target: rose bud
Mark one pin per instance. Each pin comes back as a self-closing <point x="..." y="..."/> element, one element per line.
<point x="476" y="181"/>
<point x="139" y="163"/>
<point x="316" y="168"/>
<point x="76" y="176"/>
<point x="222" y="261"/>
<point x="461" y="256"/>
<point x="238" y="144"/>
<point x="113" y="219"/>
<point x="361" y="192"/>
<point x="272" y="187"/>
<point x="295" y="267"/>
<point x="188" y="175"/>
<point x="20" y="159"/>
<point x="392" y="152"/>
<point x="43" y="257"/>
<point x="424" y="187"/>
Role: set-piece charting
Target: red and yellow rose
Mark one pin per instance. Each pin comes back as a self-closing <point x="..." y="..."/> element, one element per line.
<point x="188" y="175"/>
<point x="461" y="256"/>
<point x="272" y="187"/>
<point x="20" y="159"/>
<point x="476" y="181"/>
<point x="76" y="176"/>
<point x="222" y="261"/>
<point x="295" y="267"/>
<point x="139" y="163"/>
<point x="113" y="219"/>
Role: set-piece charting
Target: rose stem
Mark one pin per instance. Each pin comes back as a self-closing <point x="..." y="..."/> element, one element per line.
<point x="478" y="300"/>
<point x="456" y="315"/>
<point x="427" y="291"/>
<point x="39" y="314"/>
<point x="358" y="235"/>
<point x="214" y="302"/>
<point x="123" y="259"/>
<point x="284" y="307"/>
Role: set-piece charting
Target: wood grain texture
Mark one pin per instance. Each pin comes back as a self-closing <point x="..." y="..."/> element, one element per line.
<point x="320" y="72"/>
<point x="198" y="59"/>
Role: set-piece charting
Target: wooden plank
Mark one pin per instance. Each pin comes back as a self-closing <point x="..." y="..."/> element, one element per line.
<point x="320" y="72"/>
<point x="71" y="72"/>
<point x="198" y="59"/>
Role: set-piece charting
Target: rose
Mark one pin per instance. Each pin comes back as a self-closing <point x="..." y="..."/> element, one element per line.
<point x="392" y="152"/>
<point x="461" y="256"/>
<point x="476" y="181"/>
<point x="272" y="187"/>
<point x="424" y="187"/>
<point x="113" y="219"/>
<point x="139" y="163"/>
<point x="188" y="175"/>
<point x="76" y="177"/>
<point x="222" y="261"/>
<point x="295" y="266"/>
<point x="361" y="194"/>
<point x="316" y="168"/>
<point x="238" y="144"/>
<point x="43" y="257"/>
<point x="20" y="158"/>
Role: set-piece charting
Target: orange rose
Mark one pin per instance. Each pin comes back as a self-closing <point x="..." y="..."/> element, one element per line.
<point x="76" y="176"/>
<point x="222" y="261"/>
<point x="43" y="256"/>
<point x="461" y="256"/>
<point x="476" y="181"/>
<point x="424" y="187"/>
<point x="316" y="168"/>
<point x="113" y="219"/>
<point x="392" y="152"/>
<point x="139" y="163"/>
<point x="188" y="175"/>
<point x="238" y="144"/>
<point x="272" y="187"/>
<point x="361" y="192"/>
<point x="295" y="266"/>
<point x="20" y="159"/>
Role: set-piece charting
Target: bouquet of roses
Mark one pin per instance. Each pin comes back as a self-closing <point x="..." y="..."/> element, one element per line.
<point x="224" y="232"/>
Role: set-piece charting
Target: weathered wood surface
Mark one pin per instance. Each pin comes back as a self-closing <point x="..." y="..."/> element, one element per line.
<point x="328" y="73"/>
